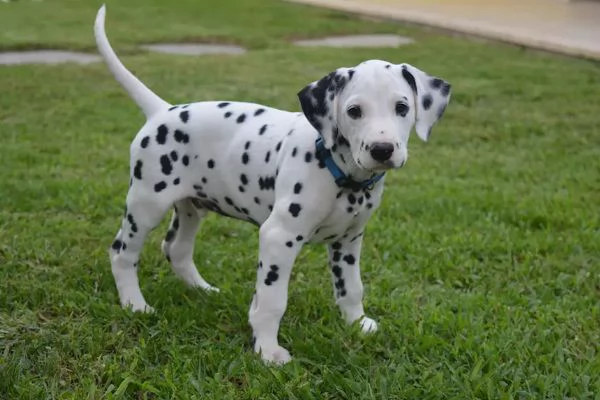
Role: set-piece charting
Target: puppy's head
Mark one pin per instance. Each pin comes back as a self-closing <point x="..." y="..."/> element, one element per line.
<point x="372" y="108"/>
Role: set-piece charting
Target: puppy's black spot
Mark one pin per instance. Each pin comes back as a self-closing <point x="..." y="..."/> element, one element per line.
<point x="247" y="145"/>
<point x="336" y="246"/>
<point x="137" y="170"/>
<point x="228" y="201"/>
<point x="227" y="114"/>
<point x="244" y="179"/>
<point x="266" y="183"/>
<point x="259" y="111"/>
<point x="299" y="238"/>
<point x="342" y="141"/>
<point x="294" y="209"/>
<point x="337" y="271"/>
<point x="174" y="156"/>
<point x="204" y="180"/>
<point x="308" y="156"/>
<point x="241" y="118"/>
<point x="257" y="200"/>
<point x="160" y="186"/>
<point x="278" y="147"/>
<point x="294" y="152"/>
<point x="173" y="108"/>
<point x="166" y="165"/>
<point x="267" y="156"/>
<point x="356" y="237"/>
<point x="360" y="200"/>
<point x="369" y="205"/>
<point x="262" y="129"/>
<point x="297" y="188"/>
<point x="241" y="189"/>
<point x="185" y="116"/>
<point x="349" y="258"/>
<point x="176" y="181"/>
<point x="289" y="244"/>
<point x="161" y="135"/>
<point x="211" y="163"/>
<point x="410" y="79"/>
<point x="132" y="223"/>
<point x="117" y="245"/>
<point x="388" y="66"/>
<point x="145" y="142"/>
<point x="351" y="198"/>
<point x="170" y="235"/>
<point x="223" y="104"/>
<point x="272" y="275"/>
<point x="185" y="160"/>
<point x="181" y="137"/>
<point x="436" y="83"/>
<point x="427" y="101"/>
<point x="245" y="158"/>
<point x="446" y="89"/>
<point x="349" y="209"/>
<point x="337" y="256"/>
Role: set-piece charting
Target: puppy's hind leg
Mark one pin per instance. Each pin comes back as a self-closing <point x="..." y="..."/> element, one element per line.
<point x="142" y="214"/>
<point x="178" y="245"/>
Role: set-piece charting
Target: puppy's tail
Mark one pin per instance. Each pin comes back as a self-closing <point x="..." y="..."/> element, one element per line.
<point x="145" y="98"/>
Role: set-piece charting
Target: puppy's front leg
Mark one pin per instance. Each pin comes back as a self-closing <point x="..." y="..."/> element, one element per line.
<point x="344" y="260"/>
<point x="278" y="250"/>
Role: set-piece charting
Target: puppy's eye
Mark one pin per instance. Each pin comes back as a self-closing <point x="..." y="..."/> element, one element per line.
<point x="401" y="109"/>
<point x="354" y="112"/>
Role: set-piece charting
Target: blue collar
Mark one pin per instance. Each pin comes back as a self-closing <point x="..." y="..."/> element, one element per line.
<point x="324" y="155"/>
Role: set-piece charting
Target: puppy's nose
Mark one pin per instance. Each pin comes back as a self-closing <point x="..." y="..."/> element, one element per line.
<point x="381" y="151"/>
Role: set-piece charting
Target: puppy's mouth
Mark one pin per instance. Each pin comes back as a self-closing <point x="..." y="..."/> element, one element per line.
<point x="380" y="167"/>
<point x="387" y="165"/>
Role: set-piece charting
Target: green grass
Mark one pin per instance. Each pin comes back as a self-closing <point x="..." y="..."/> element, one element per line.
<point x="482" y="264"/>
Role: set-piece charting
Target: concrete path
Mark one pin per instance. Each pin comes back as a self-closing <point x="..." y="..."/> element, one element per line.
<point x="570" y="27"/>
<point x="46" y="57"/>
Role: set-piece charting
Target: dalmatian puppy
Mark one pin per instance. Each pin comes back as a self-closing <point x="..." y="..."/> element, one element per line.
<point x="314" y="176"/>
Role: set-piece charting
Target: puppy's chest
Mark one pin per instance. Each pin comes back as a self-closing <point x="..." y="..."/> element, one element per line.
<point x="350" y="213"/>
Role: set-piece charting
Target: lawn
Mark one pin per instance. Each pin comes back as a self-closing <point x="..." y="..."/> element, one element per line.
<point x="482" y="265"/>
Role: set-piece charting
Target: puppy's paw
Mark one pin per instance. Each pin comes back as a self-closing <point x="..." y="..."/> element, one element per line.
<point x="211" y="288"/>
<point x="276" y="355"/>
<point x="368" y="325"/>
<point x="141" y="307"/>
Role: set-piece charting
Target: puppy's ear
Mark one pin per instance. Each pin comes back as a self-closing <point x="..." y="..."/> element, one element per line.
<point x="432" y="95"/>
<point x="318" y="101"/>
